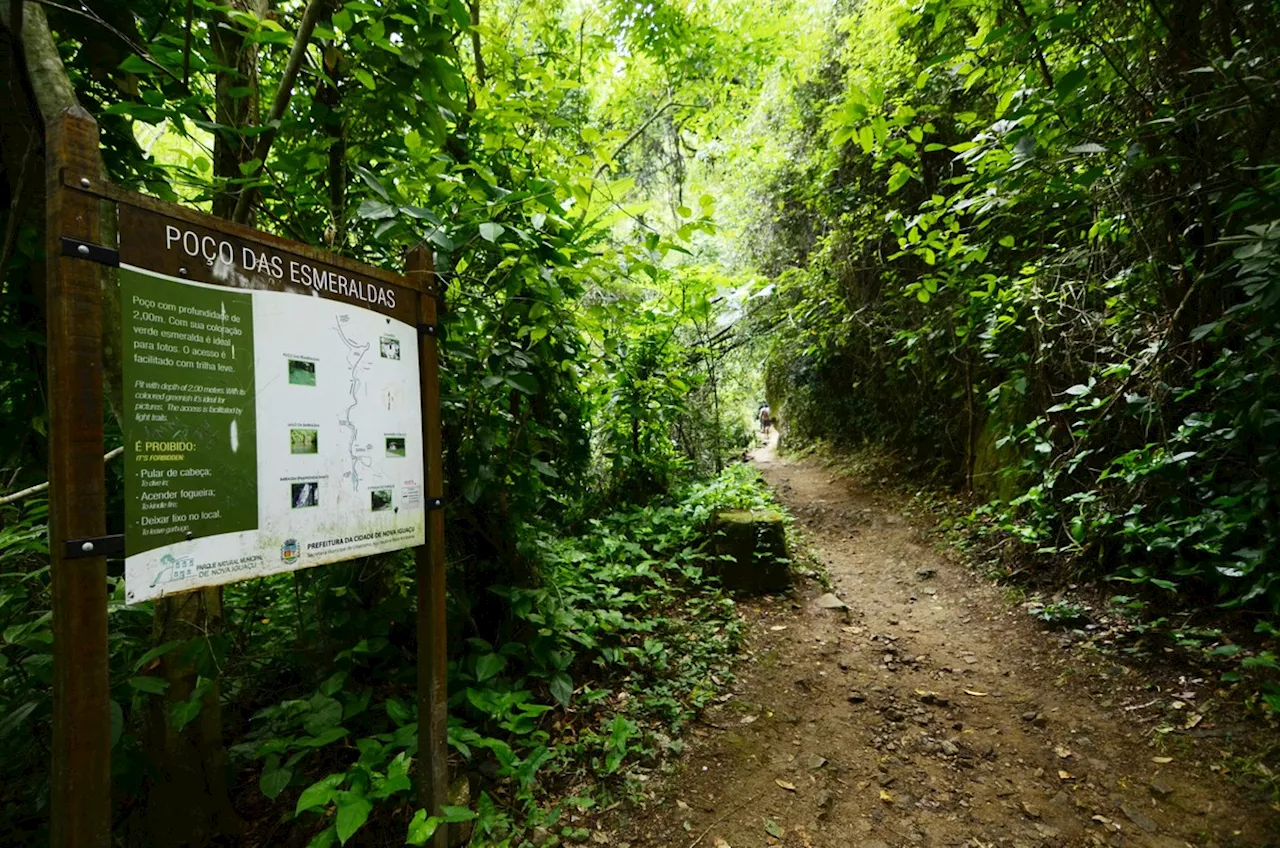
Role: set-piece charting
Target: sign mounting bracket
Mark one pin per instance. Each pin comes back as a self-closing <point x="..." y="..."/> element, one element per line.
<point x="95" y="546"/>
<point x="77" y="249"/>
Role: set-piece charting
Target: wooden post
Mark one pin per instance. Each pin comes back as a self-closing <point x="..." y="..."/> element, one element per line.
<point x="81" y="777"/>
<point x="433" y="716"/>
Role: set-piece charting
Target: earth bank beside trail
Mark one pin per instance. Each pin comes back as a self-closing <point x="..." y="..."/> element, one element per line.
<point x="928" y="712"/>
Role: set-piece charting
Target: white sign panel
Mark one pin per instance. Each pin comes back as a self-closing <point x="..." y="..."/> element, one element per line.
<point x="265" y="431"/>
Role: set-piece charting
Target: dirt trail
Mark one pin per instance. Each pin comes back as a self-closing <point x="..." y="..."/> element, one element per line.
<point x="929" y="713"/>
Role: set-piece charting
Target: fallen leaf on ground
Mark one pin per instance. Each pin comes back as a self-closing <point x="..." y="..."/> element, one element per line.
<point x="1162" y="760"/>
<point x="885" y="796"/>
<point x="1062" y="751"/>
<point x="1193" y="720"/>
<point x="975" y="693"/>
<point x="749" y="719"/>
<point x="775" y="628"/>
<point x="1065" y="775"/>
<point x="771" y="828"/>
<point x="790" y="787"/>
<point x="720" y="843"/>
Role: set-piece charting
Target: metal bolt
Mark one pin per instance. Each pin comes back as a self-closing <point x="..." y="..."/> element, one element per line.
<point x="182" y="272"/>
<point x="83" y="250"/>
<point x="87" y="547"/>
<point x="84" y="182"/>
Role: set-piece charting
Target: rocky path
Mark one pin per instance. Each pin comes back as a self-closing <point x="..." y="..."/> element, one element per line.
<point x="930" y="713"/>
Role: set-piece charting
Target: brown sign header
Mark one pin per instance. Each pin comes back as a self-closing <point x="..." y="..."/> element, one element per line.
<point x="226" y="254"/>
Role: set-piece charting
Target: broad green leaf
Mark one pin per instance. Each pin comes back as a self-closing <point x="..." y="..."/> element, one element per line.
<point x="376" y="209"/>
<point x="898" y="179"/>
<point x="488" y="665"/>
<point x="133" y="64"/>
<point x="326" y="713"/>
<point x="153" y="685"/>
<point x="526" y="383"/>
<point x="319" y="794"/>
<point x="353" y="812"/>
<point x="274" y="777"/>
<point x="398" y="712"/>
<point x="422" y="827"/>
<point x="324" y="838"/>
<point x="455" y="814"/>
<point x="490" y="231"/>
<point x="867" y="139"/>
<point x="333" y="734"/>
<point x="158" y="651"/>
<point x="1071" y="80"/>
<point x="562" y="688"/>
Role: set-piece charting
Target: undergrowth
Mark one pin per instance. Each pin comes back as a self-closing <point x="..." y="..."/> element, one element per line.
<point x="602" y="666"/>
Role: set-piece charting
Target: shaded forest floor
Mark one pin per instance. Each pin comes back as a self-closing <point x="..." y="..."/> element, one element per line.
<point x="931" y="712"/>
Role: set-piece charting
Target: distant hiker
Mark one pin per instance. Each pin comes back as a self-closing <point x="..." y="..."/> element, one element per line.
<point x="763" y="415"/>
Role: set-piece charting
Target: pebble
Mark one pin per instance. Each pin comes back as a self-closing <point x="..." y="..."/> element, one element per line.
<point x="1139" y="818"/>
<point x="832" y="602"/>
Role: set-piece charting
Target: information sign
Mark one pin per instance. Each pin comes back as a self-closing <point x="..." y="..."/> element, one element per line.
<point x="272" y="410"/>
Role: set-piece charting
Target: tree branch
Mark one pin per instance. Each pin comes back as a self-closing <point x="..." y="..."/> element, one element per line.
<point x="40" y="487"/>
<point x="49" y="81"/>
<point x="638" y="132"/>
<point x="474" y="8"/>
<point x="1035" y="43"/>
<point x="315" y="10"/>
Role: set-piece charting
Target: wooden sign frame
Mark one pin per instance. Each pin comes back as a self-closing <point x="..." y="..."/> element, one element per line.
<point x="78" y="544"/>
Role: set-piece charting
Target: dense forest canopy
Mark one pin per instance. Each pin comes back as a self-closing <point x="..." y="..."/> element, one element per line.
<point x="1031" y="246"/>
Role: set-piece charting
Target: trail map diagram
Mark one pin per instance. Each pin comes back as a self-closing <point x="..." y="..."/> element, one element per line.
<point x="356" y="362"/>
<point x="305" y="446"/>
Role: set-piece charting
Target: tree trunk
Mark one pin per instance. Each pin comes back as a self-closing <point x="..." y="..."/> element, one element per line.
<point x="239" y="58"/>
<point x="329" y="92"/>
<point x="22" y="198"/>
<point x="189" y="802"/>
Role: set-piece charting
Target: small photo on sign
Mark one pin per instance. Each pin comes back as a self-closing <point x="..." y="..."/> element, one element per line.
<point x="389" y="347"/>
<point x="306" y="494"/>
<point x="395" y="445"/>
<point x="304" y="440"/>
<point x="381" y="499"/>
<point x="302" y="373"/>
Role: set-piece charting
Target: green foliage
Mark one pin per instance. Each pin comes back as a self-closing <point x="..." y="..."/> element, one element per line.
<point x="1032" y="271"/>
<point x="603" y="664"/>
<point x="600" y="668"/>
<point x="1032" y="248"/>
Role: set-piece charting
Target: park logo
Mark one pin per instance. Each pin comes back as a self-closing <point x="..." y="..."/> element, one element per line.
<point x="173" y="569"/>
<point x="289" y="552"/>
